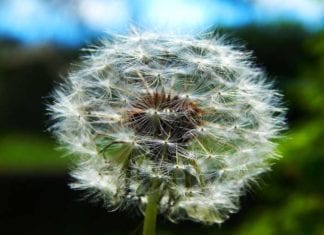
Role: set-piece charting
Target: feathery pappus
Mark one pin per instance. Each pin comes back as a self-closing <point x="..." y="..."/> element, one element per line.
<point x="189" y="117"/>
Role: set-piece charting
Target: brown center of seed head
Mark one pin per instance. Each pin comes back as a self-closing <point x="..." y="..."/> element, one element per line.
<point x="167" y="121"/>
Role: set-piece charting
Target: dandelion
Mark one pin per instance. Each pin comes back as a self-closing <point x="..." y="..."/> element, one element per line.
<point x="176" y="125"/>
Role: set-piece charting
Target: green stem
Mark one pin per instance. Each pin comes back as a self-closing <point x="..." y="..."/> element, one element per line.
<point x="151" y="212"/>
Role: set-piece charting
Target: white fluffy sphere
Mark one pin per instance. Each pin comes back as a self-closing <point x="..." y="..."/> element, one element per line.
<point x="190" y="117"/>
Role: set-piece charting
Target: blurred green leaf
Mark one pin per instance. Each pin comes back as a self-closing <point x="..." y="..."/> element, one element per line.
<point x="30" y="153"/>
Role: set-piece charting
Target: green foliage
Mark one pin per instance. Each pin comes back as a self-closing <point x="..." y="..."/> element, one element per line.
<point x="292" y="201"/>
<point x="29" y="153"/>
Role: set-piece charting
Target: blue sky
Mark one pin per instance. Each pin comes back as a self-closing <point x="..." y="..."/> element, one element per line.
<point x="73" y="22"/>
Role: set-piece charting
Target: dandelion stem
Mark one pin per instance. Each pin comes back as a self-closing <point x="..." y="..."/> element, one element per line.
<point x="151" y="212"/>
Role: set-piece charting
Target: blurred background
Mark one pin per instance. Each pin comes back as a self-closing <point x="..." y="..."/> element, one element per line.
<point x="40" y="38"/>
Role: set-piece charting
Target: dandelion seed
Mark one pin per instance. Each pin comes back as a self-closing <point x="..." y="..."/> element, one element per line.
<point x="189" y="122"/>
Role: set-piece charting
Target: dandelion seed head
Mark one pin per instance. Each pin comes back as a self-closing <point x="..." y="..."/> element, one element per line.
<point x="191" y="113"/>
